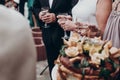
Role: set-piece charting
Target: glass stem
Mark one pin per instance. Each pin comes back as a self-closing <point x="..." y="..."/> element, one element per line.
<point x="65" y="34"/>
<point x="45" y="24"/>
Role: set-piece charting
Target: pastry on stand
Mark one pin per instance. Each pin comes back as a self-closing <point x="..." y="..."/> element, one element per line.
<point x="84" y="58"/>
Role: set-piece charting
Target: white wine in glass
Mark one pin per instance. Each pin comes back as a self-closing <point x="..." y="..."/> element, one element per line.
<point x="65" y="33"/>
<point x="44" y="11"/>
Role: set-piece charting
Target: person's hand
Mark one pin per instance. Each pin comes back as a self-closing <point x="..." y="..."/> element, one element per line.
<point x="64" y="17"/>
<point x="48" y="17"/>
<point x="62" y="20"/>
<point x="69" y="25"/>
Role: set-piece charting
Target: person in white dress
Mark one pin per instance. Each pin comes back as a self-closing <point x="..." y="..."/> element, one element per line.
<point x="17" y="49"/>
<point x="87" y="12"/>
<point x="90" y="12"/>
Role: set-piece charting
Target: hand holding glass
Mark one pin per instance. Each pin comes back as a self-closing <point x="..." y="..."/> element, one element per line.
<point x="64" y="18"/>
<point x="44" y="11"/>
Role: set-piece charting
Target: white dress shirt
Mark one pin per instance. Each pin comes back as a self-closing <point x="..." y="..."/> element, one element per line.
<point x="50" y="3"/>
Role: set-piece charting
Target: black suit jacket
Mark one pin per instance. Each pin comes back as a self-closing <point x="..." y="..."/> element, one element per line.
<point x="58" y="6"/>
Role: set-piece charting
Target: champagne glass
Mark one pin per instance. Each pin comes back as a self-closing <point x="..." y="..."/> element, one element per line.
<point x="82" y="26"/>
<point x="44" y="11"/>
<point x="65" y="19"/>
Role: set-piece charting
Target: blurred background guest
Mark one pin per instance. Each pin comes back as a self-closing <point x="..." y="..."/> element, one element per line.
<point x="17" y="50"/>
<point x="112" y="30"/>
<point x="30" y="12"/>
<point x="13" y="4"/>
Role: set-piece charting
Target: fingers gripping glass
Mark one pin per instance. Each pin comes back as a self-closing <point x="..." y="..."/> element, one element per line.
<point x="44" y="11"/>
<point x="65" y="33"/>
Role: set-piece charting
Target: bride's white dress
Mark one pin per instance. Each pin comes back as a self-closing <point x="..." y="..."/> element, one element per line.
<point x="84" y="11"/>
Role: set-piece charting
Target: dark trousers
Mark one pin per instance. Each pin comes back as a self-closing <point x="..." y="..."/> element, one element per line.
<point x="53" y="42"/>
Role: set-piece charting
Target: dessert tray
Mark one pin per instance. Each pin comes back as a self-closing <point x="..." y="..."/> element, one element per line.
<point x="83" y="58"/>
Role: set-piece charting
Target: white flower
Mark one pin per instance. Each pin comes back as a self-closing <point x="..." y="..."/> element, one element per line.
<point x="72" y="51"/>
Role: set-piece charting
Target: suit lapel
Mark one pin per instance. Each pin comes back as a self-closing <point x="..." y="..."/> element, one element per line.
<point x="53" y="4"/>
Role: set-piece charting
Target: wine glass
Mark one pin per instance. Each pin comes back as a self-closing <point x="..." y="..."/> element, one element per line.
<point x="65" y="19"/>
<point x="44" y="11"/>
<point x="82" y="30"/>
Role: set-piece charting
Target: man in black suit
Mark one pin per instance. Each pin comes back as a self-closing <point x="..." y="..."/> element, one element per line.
<point x="52" y="36"/>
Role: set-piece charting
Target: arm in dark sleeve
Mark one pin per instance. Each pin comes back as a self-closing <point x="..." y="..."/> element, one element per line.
<point x="70" y="7"/>
<point x="36" y="8"/>
<point x="72" y="4"/>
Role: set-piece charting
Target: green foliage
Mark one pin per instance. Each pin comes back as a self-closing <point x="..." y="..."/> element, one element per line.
<point x="114" y="65"/>
<point x="76" y="64"/>
<point x="86" y="52"/>
<point x="84" y="63"/>
<point x="104" y="73"/>
<point x="102" y="63"/>
<point x="83" y="71"/>
<point x="62" y="51"/>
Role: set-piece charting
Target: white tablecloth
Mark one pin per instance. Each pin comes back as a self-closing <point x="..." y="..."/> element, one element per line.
<point x="54" y="72"/>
